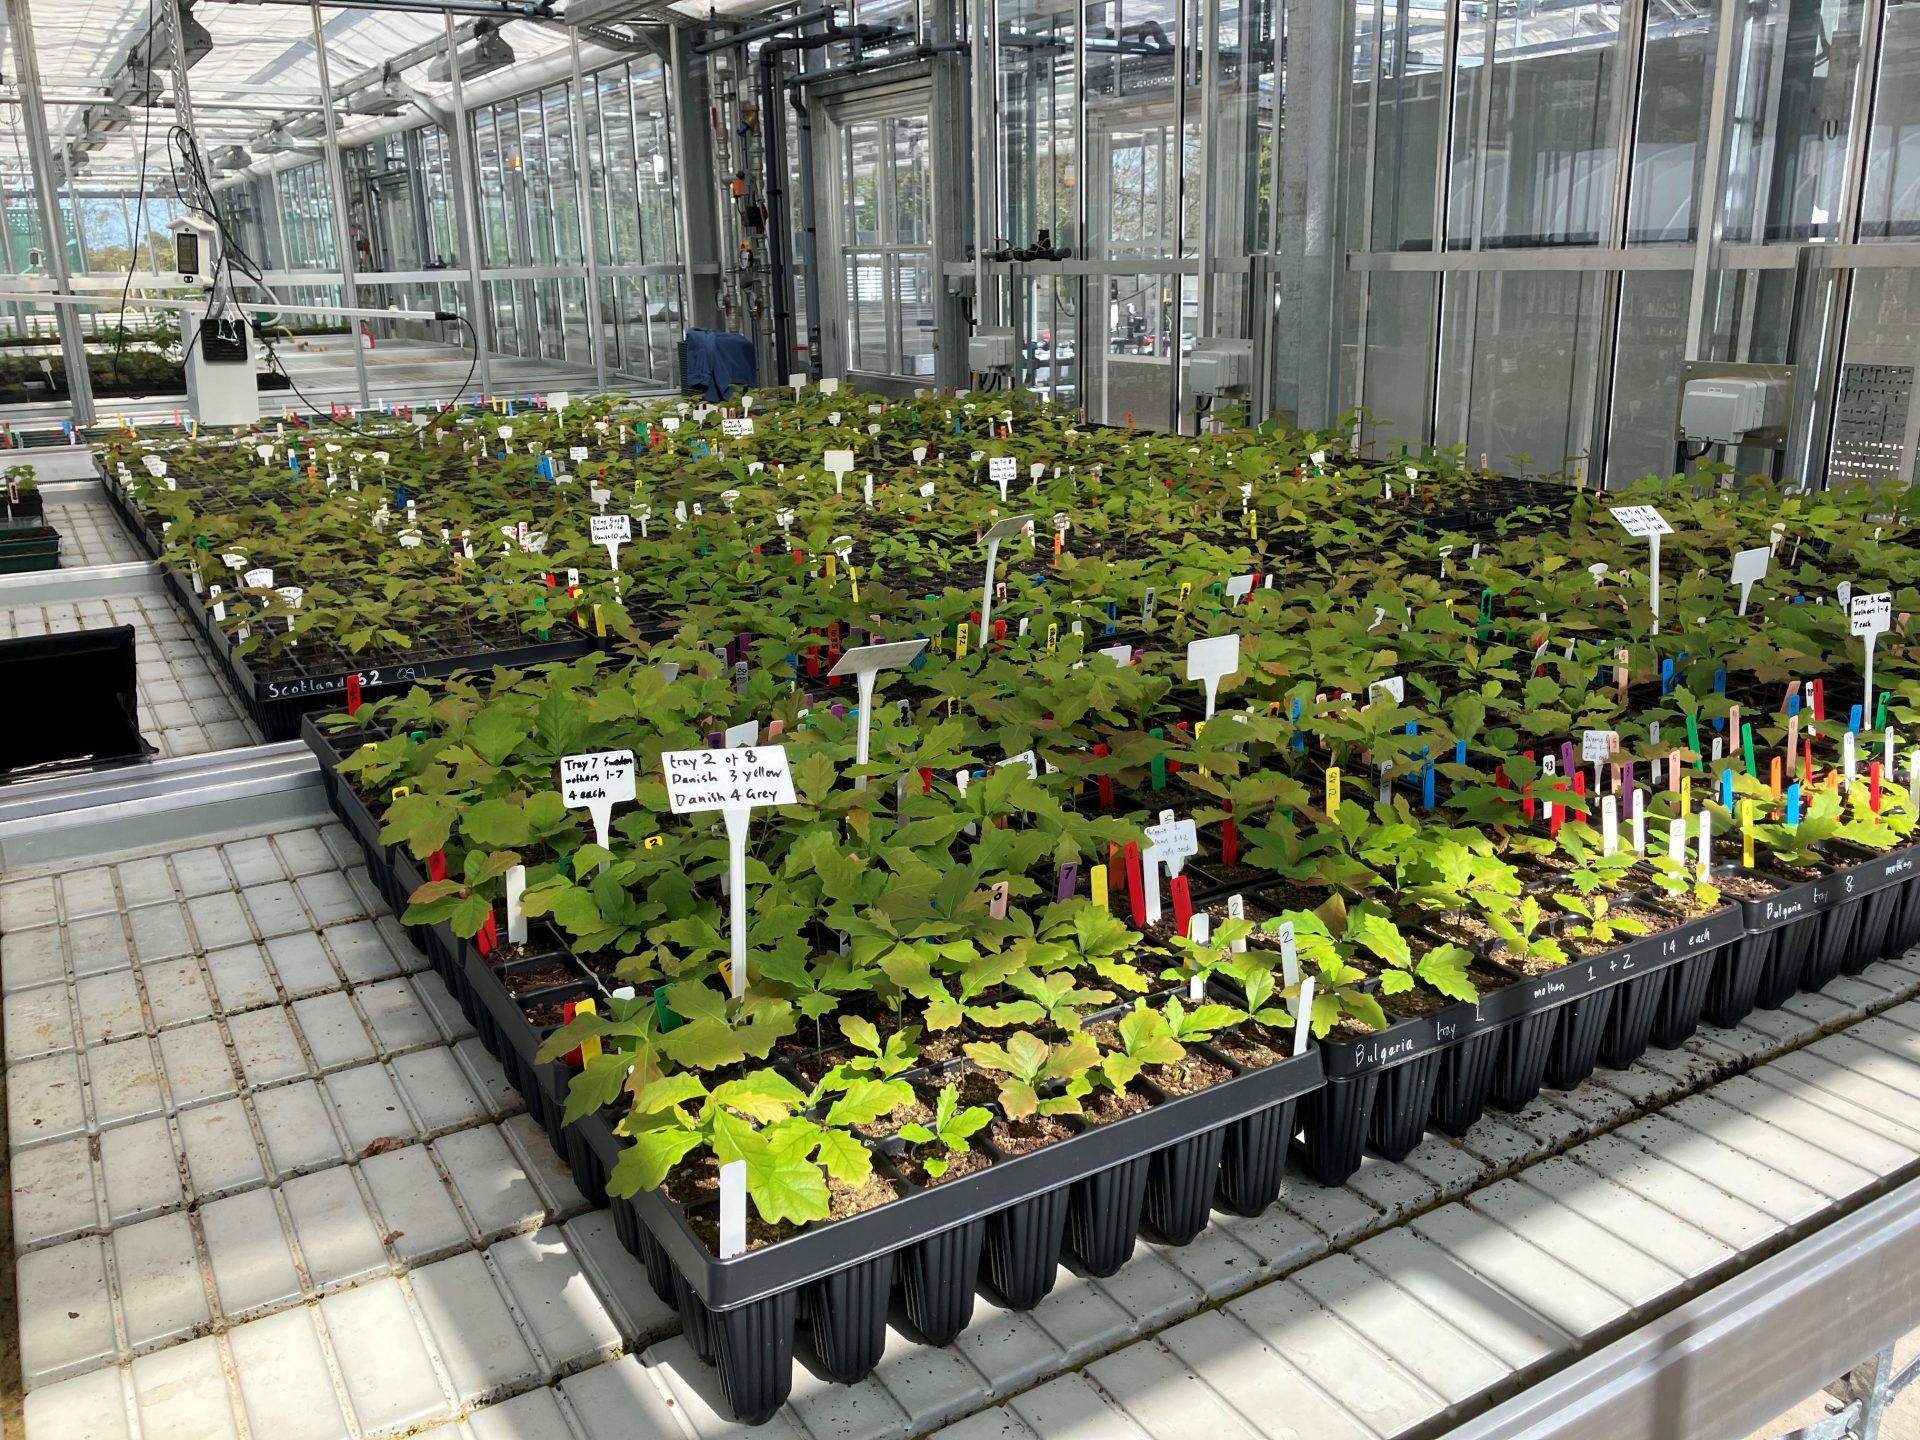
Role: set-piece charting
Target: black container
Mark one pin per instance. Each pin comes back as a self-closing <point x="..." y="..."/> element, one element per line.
<point x="1576" y="1040"/>
<point x="1253" y="1158"/>
<point x="1103" y="1216"/>
<point x="1461" y="1085"/>
<point x="1630" y="1023"/>
<point x="1735" y="980"/>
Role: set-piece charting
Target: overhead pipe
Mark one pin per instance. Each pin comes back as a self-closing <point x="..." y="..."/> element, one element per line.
<point x="763" y="32"/>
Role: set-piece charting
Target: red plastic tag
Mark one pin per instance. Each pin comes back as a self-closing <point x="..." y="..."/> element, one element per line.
<point x="1136" y="886"/>
<point x="1182" y="905"/>
<point x="353" y="694"/>
<point x="437" y="865"/>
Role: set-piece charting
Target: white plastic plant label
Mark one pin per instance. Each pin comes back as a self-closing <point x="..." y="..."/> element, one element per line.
<point x="214" y="593"/>
<point x="839" y="464"/>
<point x="577" y="453"/>
<point x="506" y="432"/>
<point x="1641" y="521"/>
<point x="612" y="531"/>
<point x="737" y="427"/>
<point x="742" y="778"/>
<point x="1210" y="661"/>
<point x="733" y="1209"/>
<point x="1394" y="685"/>
<point x="596" y="782"/>
<point x="156" y="467"/>
<point x="830" y="386"/>
<point x="1238" y="588"/>
<point x="1871" y="614"/>
<point x="261" y="579"/>
<point x="599" y="495"/>
<point x="1596" y="745"/>
<point x="1001" y="470"/>
<point x="265" y="452"/>
<point x="1175" y="842"/>
<point x="797" y="381"/>
<point x="1749" y="566"/>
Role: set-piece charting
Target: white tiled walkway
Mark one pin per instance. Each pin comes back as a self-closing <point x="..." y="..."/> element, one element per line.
<point x="265" y="1180"/>
<point x="185" y="707"/>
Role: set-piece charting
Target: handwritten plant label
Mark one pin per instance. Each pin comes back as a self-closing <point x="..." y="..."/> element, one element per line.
<point x="261" y="579"/>
<point x="576" y="453"/>
<point x="1641" y="521"/>
<point x="596" y="782"/>
<point x="1871" y="614"/>
<point x="727" y="779"/>
<point x="737" y="426"/>
<point x="1002" y="469"/>
<point x="1174" y="841"/>
<point x="612" y="531"/>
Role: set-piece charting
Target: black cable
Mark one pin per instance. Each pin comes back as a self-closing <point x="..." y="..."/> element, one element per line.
<point x="279" y="368"/>
<point x="140" y="200"/>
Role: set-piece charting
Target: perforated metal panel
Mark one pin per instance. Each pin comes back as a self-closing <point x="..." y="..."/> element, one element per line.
<point x="1870" y="423"/>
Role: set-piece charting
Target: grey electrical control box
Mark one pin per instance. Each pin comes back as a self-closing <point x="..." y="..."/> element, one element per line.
<point x="1870" y="415"/>
<point x="1722" y="403"/>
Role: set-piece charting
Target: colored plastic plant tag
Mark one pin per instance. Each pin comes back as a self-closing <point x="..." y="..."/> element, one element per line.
<point x="1746" y="833"/>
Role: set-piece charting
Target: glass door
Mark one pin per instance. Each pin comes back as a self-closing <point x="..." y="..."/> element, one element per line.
<point x="884" y="243"/>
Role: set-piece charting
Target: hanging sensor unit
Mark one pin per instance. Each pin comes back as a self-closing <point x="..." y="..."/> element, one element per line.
<point x="990" y="352"/>
<point x="221" y="385"/>
<point x="1220" y="367"/>
<point x="1727" y="403"/>
<point x="1725" y="412"/>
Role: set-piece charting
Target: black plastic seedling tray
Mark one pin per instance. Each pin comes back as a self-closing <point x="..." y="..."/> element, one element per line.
<point x="1006" y="1226"/>
<point x="1445" y="1067"/>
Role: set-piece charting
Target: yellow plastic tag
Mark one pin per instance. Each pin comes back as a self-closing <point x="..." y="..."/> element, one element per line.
<point x="590" y="1047"/>
<point x="599" y="622"/>
<point x="1253" y="524"/>
<point x="960" y="641"/>
<point x="1053" y="638"/>
<point x="653" y="842"/>
<point x="853" y="579"/>
<point x="400" y="790"/>
<point x="1186" y="589"/>
<point x="1746" y="833"/>
<point x="830" y="565"/>
<point x="1100" y="886"/>
<point x="1686" y="796"/>
<point x="1333" y="791"/>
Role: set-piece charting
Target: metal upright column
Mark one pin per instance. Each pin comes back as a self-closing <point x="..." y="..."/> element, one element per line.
<point x="342" y="232"/>
<point x="589" y="249"/>
<point x="73" y="345"/>
<point x="1312" y="267"/>
<point x="466" y="196"/>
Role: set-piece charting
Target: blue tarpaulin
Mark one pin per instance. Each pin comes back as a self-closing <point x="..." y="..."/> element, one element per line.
<point x="718" y="363"/>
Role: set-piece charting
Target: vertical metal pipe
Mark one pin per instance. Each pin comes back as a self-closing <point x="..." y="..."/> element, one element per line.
<point x="73" y="345"/>
<point x="1090" y="332"/>
<point x="466" y="174"/>
<point x="336" y="173"/>
<point x="583" y="191"/>
<point x="1442" y="198"/>
<point x="674" y="83"/>
<point x="1709" y="220"/>
<point x="1175" y="388"/>
<point x="1364" y="240"/>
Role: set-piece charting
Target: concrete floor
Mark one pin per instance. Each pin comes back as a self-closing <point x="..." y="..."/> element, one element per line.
<point x="1901" y="1422"/>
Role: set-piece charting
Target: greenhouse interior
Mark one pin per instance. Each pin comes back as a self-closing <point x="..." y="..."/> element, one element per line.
<point x="862" y="719"/>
